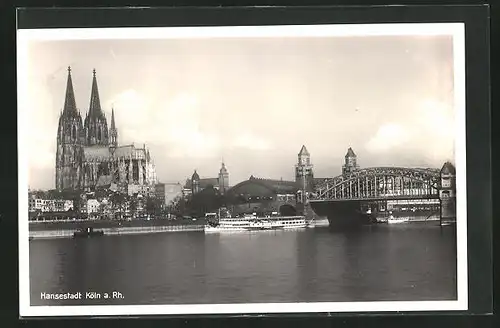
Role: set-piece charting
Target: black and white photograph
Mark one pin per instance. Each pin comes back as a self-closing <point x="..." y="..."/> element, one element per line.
<point x="247" y="169"/>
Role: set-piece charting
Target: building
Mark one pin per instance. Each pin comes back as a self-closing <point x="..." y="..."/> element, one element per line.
<point x="197" y="184"/>
<point x="168" y="193"/>
<point x="35" y="204"/>
<point x="140" y="189"/>
<point x="61" y="205"/>
<point x="92" y="207"/>
<point x="350" y="164"/>
<point x="88" y="154"/>
<point x="49" y="205"/>
<point x="263" y="195"/>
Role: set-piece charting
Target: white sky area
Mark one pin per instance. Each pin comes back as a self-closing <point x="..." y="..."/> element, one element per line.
<point x="253" y="102"/>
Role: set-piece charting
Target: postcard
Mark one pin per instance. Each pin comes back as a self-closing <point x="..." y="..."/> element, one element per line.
<point x="248" y="169"/>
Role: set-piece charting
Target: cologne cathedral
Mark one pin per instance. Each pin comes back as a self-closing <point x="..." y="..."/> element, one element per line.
<point x="88" y="154"/>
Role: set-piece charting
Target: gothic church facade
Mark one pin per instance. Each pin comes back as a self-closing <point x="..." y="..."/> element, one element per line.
<point x="88" y="154"/>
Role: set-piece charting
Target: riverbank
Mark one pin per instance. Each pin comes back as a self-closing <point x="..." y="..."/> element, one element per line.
<point x="66" y="233"/>
<point x="66" y="229"/>
<point x="109" y="224"/>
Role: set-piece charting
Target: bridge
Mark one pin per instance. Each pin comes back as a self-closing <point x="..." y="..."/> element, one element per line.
<point x="342" y="198"/>
<point x="380" y="183"/>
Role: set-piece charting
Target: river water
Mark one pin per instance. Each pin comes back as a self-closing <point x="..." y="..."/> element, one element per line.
<point x="400" y="262"/>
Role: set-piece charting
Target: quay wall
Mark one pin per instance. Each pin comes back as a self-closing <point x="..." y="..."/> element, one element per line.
<point x="50" y="234"/>
<point x="106" y="224"/>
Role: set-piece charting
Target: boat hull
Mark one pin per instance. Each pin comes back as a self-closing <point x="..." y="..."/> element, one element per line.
<point x="89" y="233"/>
<point x="219" y="230"/>
<point x="396" y="221"/>
<point x="342" y="214"/>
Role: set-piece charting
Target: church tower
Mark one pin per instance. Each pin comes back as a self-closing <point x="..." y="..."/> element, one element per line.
<point x="113" y="132"/>
<point x="223" y="179"/>
<point x="350" y="164"/>
<point x="96" y="127"/>
<point x="195" y="183"/>
<point x="304" y="170"/>
<point x="70" y="139"/>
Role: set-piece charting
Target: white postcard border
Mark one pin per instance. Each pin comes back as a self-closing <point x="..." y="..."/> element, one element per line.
<point x="457" y="30"/>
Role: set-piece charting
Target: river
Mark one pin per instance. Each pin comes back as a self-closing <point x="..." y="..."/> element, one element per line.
<point x="401" y="262"/>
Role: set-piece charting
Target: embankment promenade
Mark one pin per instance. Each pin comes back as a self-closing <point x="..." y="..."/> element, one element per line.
<point x="48" y="230"/>
<point x="51" y="234"/>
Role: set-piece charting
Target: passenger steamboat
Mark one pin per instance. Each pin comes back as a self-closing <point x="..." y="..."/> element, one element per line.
<point x="252" y="222"/>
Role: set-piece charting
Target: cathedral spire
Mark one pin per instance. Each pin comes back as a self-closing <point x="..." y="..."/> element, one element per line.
<point x="69" y="101"/>
<point x="113" y="133"/>
<point x="112" y="119"/>
<point x="96" y="126"/>
<point x="95" y="103"/>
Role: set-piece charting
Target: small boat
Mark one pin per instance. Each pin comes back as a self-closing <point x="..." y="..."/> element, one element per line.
<point x="88" y="232"/>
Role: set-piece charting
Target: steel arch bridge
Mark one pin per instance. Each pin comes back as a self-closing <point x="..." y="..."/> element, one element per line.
<point x="379" y="183"/>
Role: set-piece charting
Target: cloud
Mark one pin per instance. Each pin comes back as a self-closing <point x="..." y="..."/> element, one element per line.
<point x="388" y="137"/>
<point x="427" y="130"/>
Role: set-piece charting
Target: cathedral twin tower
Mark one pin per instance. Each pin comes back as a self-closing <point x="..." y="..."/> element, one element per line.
<point x="88" y="152"/>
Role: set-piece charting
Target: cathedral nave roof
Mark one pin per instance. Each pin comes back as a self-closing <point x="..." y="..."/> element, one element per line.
<point x="129" y="151"/>
<point x="96" y="152"/>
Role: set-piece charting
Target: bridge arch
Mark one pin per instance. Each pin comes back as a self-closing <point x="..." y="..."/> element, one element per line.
<point x="287" y="210"/>
<point x="380" y="182"/>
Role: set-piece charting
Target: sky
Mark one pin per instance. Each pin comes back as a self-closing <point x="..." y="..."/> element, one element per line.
<point x="252" y="102"/>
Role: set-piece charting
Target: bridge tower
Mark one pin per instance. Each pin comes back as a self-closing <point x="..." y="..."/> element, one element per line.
<point x="350" y="164"/>
<point x="304" y="175"/>
<point x="447" y="193"/>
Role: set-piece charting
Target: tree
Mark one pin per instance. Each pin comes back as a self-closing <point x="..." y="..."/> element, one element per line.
<point x="101" y="193"/>
<point x="102" y="209"/>
<point x="178" y="206"/>
<point x="151" y="206"/>
<point x="207" y="200"/>
<point x="117" y="200"/>
<point x="132" y="206"/>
